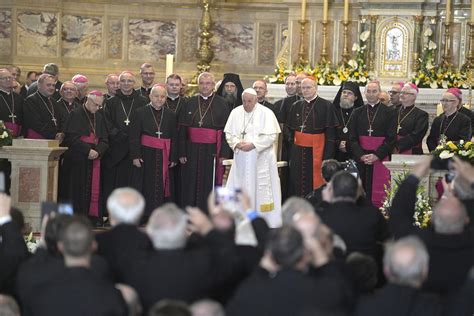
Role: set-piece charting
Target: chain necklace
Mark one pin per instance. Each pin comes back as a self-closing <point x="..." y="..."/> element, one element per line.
<point x="302" y="126"/>
<point x="12" y="109"/>
<point x="91" y="124"/>
<point x="158" y="126"/>
<point x="177" y="105"/>
<point x="65" y="103"/>
<point x="127" y="116"/>
<point x="370" y="130"/>
<point x="246" y="124"/>
<point x="345" y="129"/>
<point x="443" y="134"/>
<point x="51" y="111"/>
<point x="201" y="116"/>
<point x="399" y="122"/>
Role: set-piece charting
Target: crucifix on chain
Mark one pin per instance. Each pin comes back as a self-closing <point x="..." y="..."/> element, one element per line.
<point x="370" y="130"/>
<point x="12" y="116"/>
<point x="159" y="133"/>
<point x="54" y="121"/>
<point x="302" y="127"/>
<point x="243" y="134"/>
<point x="127" y="121"/>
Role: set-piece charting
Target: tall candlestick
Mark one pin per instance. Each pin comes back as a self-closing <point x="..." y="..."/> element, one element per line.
<point x="303" y="10"/>
<point x="346" y="10"/>
<point x="169" y="65"/>
<point x="448" y="11"/>
<point x="325" y="10"/>
<point x="472" y="11"/>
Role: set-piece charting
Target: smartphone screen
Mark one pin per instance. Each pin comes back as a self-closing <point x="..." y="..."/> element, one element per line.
<point x="65" y="208"/>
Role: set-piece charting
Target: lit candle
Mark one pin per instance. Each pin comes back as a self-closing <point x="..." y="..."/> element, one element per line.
<point x="346" y="10"/>
<point x="169" y="65"/>
<point x="303" y="10"/>
<point x="448" y="11"/>
<point x="325" y="10"/>
<point x="439" y="109"/>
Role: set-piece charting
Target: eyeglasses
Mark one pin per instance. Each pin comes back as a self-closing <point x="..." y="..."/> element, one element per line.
<point x="6" y="78"/>
<point x="393" y="92"/>
<point x="406" y="93"/>
<point x="447" y="101"/>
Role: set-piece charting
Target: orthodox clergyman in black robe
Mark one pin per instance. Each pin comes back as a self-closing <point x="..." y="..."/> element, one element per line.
<point x="412" y="123"/>
<point x="119" y="111"/>
<point x="202" y="147"/>
<point x="372" y="136"/>
<point x="153" y="149"/>
<point x="231" y="90"/>
<point x="86" y="137"/>
<point x="346" y="101"/>
<point x="451" y="125"/>
<point x="312" y="124"/>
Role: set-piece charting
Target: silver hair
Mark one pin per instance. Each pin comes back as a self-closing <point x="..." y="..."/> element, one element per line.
<point x="206" y="75"/>
<point x="156" y="86"/>
<point x="207" y="307"/>
<point x="167" y="227"/>
<point x="448" y="225"/>
<point x="406" y="261"/>
<point x="8" y="306"/>
<point x="293" y="206"/>
<point x="126" y="205"/>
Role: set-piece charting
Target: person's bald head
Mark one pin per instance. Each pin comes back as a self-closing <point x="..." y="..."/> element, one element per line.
<point x="6" y="79"/>
<point x="126" y="82"/>
<point x="299" y="79"/>
<point x="260" y="86"/>
<point x="309" y="88"/>
<point x="449" y="216"/>
<point x="158" y="95"/>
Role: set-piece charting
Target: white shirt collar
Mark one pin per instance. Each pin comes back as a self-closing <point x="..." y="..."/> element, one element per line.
<point x="315" y="96"/>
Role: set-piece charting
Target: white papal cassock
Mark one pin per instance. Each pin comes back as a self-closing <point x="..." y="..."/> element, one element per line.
<point x="255" y="171"/>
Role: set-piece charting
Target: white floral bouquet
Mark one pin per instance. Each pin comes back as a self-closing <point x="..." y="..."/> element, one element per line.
<point x="423" y="212"/>
<point x="447" y="149"/>
<point x="31" y="243"/>
<point x="6" y="135"/>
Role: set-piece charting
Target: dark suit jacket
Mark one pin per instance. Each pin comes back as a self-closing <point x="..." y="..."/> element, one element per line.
<point x="13" y="251"/>
<point x="398" y="300"/>
<point x="451" y="256"/>
<point x="363" y="228"/>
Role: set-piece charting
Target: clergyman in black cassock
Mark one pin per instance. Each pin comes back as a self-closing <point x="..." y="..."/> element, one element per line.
<point x="451" y="125"/>
<point x="148" y="77"/>
<point x="119" y="111"/>
<point x="412" y="123"/>
<point x="42" y="115"/>
<point x="312" y="124"/>
<point x="347" y="99"/>
<point x="231" y="90"/>
<point x="372" y="136"/>
<point x="153" y="149"/>
<point x="202" y="147"/>
<point x="86" y="137"/>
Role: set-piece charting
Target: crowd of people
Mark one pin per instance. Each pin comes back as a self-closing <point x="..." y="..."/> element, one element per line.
<point x="152" y="156"/>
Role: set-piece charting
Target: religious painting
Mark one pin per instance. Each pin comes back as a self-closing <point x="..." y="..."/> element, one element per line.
<point x="266" y="43"/>
<point x="233" y="43"/>
<point x="151" y="39"/>
<point x="114" y="40"/>
<point x="5" y="32"/>
<point x="81" y="37"/>
<point x="37" y="34"/>
<point x="190" y="40"/>
<point x="393" y="39"/>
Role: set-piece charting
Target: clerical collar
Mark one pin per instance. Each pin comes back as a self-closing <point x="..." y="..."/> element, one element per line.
<point x="4" y="91"/>
<point x="173" y="98"/>
<point x="146" y="89"/>
<point x="449" y="116"/>
<point x="314" y="98"/>
<point x="372" y="105"/>
<point x="154" y="108"/>
<point x="407" y="108"/>
<point x="205" y="98"/>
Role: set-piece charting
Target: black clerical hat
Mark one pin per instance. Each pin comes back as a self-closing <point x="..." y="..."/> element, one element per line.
<point x="231" y="77"/>
<point x="352" y="86"/>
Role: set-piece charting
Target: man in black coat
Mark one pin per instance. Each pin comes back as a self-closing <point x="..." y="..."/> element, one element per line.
<point x="12" y="247"/>
<point x="363" y="228"/>
<point x="124" y="239"/>
<point x="406" y="267"/>
<point x="76" y="290"/>
<point x="450" y="242"/>
<point x="172" y="270"/>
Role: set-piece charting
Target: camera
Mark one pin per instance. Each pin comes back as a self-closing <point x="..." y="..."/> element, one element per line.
<point x="351" y="167"/>
<point x="49" y="207"/>
<point x="225" y="195"/>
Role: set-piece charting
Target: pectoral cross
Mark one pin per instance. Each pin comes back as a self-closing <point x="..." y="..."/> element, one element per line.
<point x="370" y="130"/>
<point x="243" y="134"/>
<point x="159" y="133"/>
<point x="302" y="127"/>
<point x="127" y="121"/>
<point x="200" y="123"/>
<point x="54" y="121"/>
<point x="12" y="116"/>
<point x="398" y="129"/>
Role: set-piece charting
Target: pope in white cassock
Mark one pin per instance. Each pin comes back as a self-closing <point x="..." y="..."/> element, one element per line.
<point x="251" y="131"/>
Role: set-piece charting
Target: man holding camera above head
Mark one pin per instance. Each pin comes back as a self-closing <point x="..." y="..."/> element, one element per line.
<point x="412" y="123"/>
<point x="251" y="131"/>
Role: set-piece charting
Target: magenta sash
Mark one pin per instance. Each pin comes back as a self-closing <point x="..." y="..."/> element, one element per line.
<point x="380" y="174"/>
<point x="95" y="185"/>
<point x="165" y="145"/>
<point x="408" y="151"/>
<point x="15" y="128"/>
<point x="209" y="136"/>
<point x="31" y="134"/>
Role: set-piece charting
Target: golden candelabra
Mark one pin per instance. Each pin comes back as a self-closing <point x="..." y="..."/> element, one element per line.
<point x="205" y="53"/>
<point x="345" y="37"/>
<point x="324" y="50"/>
<point x="417" y="42"/>
<point x="469" y="64"/>
<point x="302" y="54"/>
<point x="446" y="58"/>
<point x="373" y="26"/>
